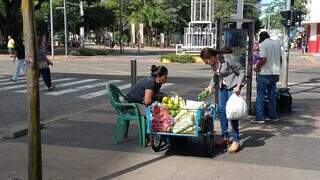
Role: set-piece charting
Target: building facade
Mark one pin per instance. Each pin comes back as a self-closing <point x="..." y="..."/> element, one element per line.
<point x="312" y="23"/>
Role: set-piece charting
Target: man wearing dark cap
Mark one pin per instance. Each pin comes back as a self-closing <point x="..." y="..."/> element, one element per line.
<point x="268" y="69"/>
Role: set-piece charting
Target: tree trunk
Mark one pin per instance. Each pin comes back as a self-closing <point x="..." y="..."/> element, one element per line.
<point x="33" y="103"/>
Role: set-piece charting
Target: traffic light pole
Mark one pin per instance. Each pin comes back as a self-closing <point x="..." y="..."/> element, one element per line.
<point x="285" y="59"/>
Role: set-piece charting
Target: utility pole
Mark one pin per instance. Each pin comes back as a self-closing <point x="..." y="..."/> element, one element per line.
<point x="285" y="61"/>
<point x="51" y="29"/>
<point x="65" y="28"/>
<point x="33" y="103"/>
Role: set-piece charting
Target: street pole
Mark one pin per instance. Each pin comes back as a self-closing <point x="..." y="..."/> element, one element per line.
<point x="285" y="61"/>
<point x="81" y="28"/>
<point x="121" y="27"/>
<point x="133" y="72"/>
<point x="65" y="28"/>
<point x="51" y="29"/>
<point x="239" y="13"/>
<point x="33" y="103"/>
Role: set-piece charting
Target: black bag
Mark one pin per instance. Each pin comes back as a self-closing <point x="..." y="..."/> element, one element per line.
<point x="284" y="100"/>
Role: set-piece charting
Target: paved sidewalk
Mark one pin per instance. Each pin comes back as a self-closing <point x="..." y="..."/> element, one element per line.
<point x="80" y="146"/>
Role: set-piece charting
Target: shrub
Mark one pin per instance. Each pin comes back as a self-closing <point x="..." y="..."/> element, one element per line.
<point x="89" y="52"/>
<point x="186" y="58"/>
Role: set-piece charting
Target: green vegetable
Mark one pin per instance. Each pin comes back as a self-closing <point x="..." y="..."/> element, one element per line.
<point x="203" y="95"/>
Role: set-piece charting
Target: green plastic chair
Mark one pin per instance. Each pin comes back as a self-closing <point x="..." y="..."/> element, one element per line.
<point x="126" y="112"/>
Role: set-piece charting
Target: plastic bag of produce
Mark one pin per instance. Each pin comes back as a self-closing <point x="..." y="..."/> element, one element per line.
<point x="186" y="122"/>
<point x="236" y="107"/>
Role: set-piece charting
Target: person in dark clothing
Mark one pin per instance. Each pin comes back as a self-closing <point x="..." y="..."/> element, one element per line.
<point x="147" y="89"/>
<point x="44" y="63"/>
<point x="20" y="55"/>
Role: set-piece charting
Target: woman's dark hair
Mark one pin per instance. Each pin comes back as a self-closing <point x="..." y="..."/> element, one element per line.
<point x="263" y="35"/>
<point x="209" y="52"/>
<point x="158" y="70"/>
<point x="206" y="53"/>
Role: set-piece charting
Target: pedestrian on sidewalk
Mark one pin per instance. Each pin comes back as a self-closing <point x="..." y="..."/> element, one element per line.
<point x="230" y="73"/>
<point x="268" y="69"/>
<point x="20" y="55"/>
<point x="11" y="46"/>
<point x="44" y="63"/>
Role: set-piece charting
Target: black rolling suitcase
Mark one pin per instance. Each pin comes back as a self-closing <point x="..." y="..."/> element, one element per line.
<point x="284" y="100"/>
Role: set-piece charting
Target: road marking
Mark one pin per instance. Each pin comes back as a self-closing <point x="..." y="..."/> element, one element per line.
<point x="65" y="91"/>
<point x="103" y="92"/>
<point x="13" y="87"/>
<point x="4" y="80"/>
<point x="71" y="83"/>
<point x="11" y="82"/>
<point x="55" y="80"/>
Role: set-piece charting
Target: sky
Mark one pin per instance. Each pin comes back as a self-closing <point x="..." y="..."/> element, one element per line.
<point x="265" y="1"/>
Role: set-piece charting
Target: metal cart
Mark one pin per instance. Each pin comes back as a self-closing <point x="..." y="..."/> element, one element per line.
<point x="203" y="126"/>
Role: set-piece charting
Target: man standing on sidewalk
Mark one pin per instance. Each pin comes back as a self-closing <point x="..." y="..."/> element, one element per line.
<point x="268" y="69"/>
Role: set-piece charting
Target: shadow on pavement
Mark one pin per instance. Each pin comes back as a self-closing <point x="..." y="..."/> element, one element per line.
<point x="133" y="168"/>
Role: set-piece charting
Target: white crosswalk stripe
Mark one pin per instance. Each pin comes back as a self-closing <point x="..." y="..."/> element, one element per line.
<point x="13" y="87"/>
<point x="73" y="83"/>
<point x="8" y="79"/>
<point x="103" y="92"/>
<point x="90" y="86"/>
<point x="11" y="82"/>
<point x="41" y="83"/>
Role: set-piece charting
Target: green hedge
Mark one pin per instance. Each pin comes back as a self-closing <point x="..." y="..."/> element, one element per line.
<point x="90" y="52"/>
<point x="186" y="58"/>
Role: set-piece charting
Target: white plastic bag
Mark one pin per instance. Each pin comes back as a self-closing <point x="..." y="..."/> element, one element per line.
<point x="236" y="107"/>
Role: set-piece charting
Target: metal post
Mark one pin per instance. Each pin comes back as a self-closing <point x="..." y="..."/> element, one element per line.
<point x="239" y="13"/>
<point x="81" y="28"/>
<point x="249" y="68"/>
<point x="133" y="72"/>
<point x="65" y="28"/>
<point x="33" y="102"/>
<point x="121" y="27"/>
<point x="51" y="29"/>
<point x="285" y="61"/>
<point x="218" y="46"/>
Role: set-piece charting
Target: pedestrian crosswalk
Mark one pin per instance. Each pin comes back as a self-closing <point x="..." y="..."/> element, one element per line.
<point x="83" y="88"/>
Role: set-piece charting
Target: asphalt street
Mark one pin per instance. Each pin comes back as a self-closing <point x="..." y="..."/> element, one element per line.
<point x="77" y="143"/>
<point x="80" y="85"/>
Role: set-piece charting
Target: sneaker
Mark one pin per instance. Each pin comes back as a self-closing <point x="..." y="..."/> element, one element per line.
<point x="257" y="121"/>
<point x="13" y="80"/>
<point x="51" y="88"/>
<point x="271" y="119"/>
<point x="234" y="148"/>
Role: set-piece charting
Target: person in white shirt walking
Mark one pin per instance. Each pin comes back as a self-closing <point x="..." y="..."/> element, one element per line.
<point x="268" y="68"/>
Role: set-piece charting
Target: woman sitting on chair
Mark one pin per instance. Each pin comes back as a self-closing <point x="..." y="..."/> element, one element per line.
<point x="147" y="89"/>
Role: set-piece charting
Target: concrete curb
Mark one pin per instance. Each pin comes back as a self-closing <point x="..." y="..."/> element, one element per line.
<point x="18" y="131"/>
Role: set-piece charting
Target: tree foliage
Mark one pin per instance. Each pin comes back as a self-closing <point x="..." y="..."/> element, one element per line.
<point x="276" y="6"/>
